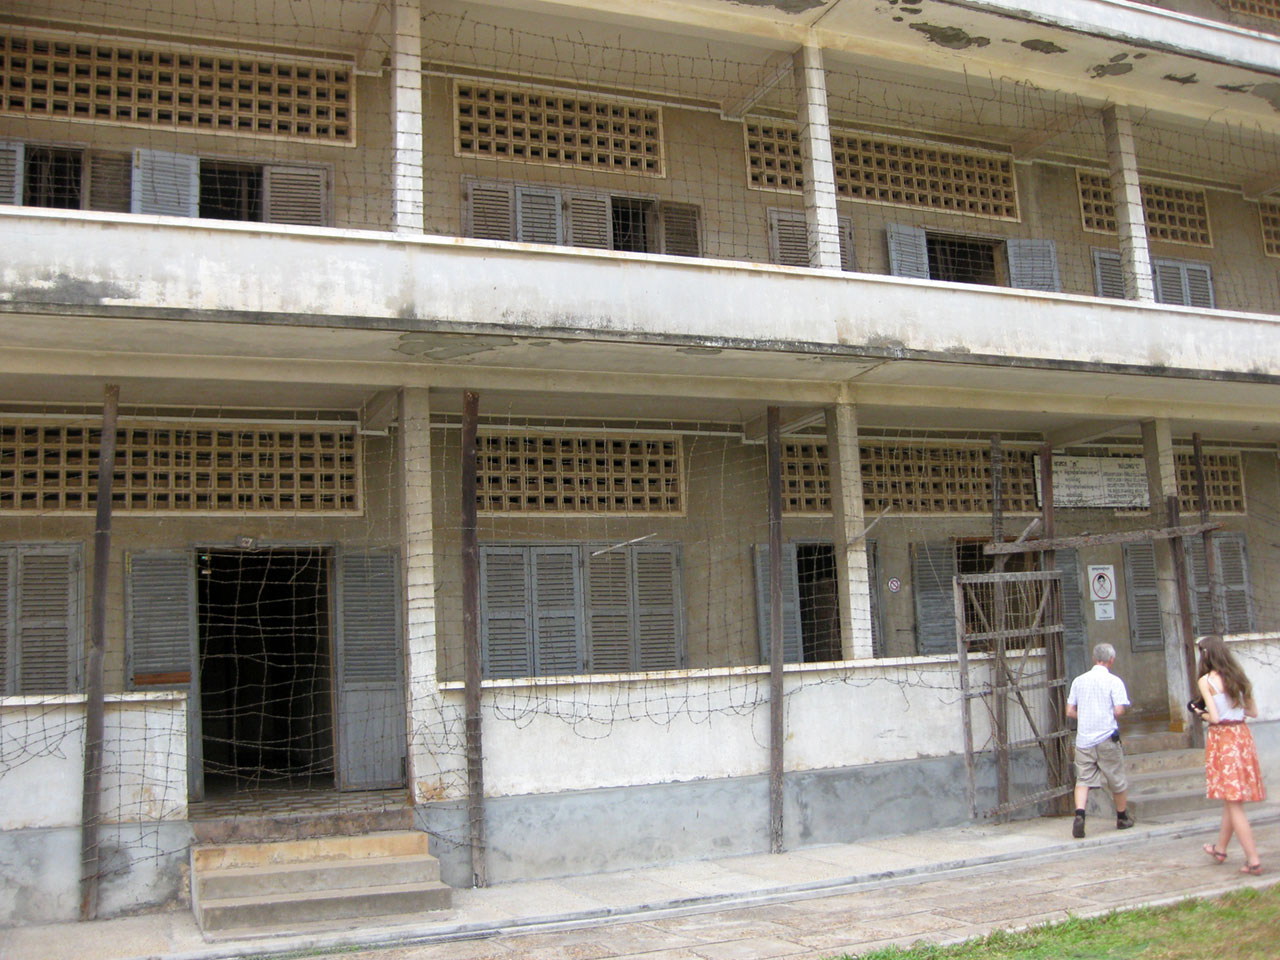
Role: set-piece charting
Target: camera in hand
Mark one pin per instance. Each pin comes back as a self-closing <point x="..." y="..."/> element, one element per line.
<point x="1196" y="706"/>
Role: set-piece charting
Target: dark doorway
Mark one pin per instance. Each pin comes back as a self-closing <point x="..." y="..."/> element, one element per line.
<point x="266" y="689"/>
<point x="819" y="601"/>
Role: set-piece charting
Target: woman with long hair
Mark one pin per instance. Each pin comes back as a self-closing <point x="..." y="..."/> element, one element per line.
<point x="1231" y="769"/>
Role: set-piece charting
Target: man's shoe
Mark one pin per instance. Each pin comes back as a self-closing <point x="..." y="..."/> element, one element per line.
<point x="1124" y="821"/>
<point x="1077" y="827"/>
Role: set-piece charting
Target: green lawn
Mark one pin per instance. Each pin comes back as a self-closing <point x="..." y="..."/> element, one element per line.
<point x="1244" y="925"/>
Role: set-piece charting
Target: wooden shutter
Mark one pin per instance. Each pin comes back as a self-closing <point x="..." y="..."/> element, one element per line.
<point x="1033" y="264"/>
<point x="505" y="628"/>
<point x="608" y="614"/>
<point x="792" y="637"/>
<point x="848" y="254"/>
<point x="873" y="587"/>
<point x="681" y="236"/>
<point x="788" y="238"/>
<point x="1184" y="283"/>
<point x="1146" y="628"/>
<point x="490" y="212"/>
<point x="370" y="672"/>
<point x="908" y="251"/>
<point x="1233" y="566"/>
<point x="659" y="608"/>
<point x="537" y="215"/>
<point x="557" y="600"/>
<point x="12" y="167"/>
<point x="295" y="195"/>
<point x="1199" y="285"/>
<point x="110" y="178"/>
<point x="160" y="619"/>
<point x="1108" y="275"/>
<point x="589" y="220"/>
<point x="1169" y="283"/>
<point x="933" y="571"/>
<point x="1198" y="581"/>
<point x="48" y="619"/>
<point x="1075" y="636"/>
<point x="165" y="184"/>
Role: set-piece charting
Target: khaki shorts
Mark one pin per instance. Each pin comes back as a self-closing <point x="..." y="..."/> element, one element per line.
<point x="1103" y="762"/>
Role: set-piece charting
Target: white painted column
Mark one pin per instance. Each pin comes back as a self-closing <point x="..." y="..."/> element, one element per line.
<point x="1162" y="481"/>
<point x="406" y="116"/>
<point x="435" y="744"/>
<point x="1126" y="190"/>
<point x="819" y="169"/>
<point x="852" y="575"/>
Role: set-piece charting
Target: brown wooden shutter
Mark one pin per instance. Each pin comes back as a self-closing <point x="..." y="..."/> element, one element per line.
<point x="295" y="195"/>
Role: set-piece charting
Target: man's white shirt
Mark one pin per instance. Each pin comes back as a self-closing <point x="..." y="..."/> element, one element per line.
<point x="1095" y="695"/>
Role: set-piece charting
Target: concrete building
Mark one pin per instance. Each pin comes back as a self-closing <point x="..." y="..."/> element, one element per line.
<point x="295" y="233"/>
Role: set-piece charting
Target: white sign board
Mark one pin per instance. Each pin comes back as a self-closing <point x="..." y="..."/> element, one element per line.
<point x="1097" y="482"/>
<point x="1104" y="611"/>
<point x="1102" y="582"/>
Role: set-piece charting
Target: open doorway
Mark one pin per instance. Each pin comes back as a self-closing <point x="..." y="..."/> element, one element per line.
<point x="265" y="669"/>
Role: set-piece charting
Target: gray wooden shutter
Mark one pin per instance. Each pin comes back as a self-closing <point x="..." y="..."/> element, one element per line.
<point x="681" y="236"/>
<point x="505" y="601"/>
<point x="1075" y="636"/>
<point x="1033" y="264"/>
<point x="160" y="619"/>
<point x="12" y="167"/>
<point x="490" y="212"/>
<point x="48" y="619"/>
<point x="295" y="195"/>
<point x="933" y="571"/>
<point x="1198" y="581"/>
<point x="370" y="674"/>
<point x="1169" y="283"/>
<point x="1199" y="284"/>
<point x="1233" y="562"/>
<point x="538" y="215"/>
<point x="589" y="220"/>
<point x="792" y="638"/>
<point x="1146" y="628"/>
<point x="848" y="253"/>
<point x="873" y="587"/>
<point x="788" y="238"/>
<point x="608" y="616"/>
<point x="165" y="184"/>
<point x="110" y="178"/>
<point x="8" y="608"/>
<point x="908" y="251"/>
<point x="659" y="608"/>
<point x="1108" y="275"/>
<point x="557" y="602"/>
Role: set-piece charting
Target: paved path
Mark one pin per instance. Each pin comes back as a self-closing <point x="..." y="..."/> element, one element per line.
<point x="818" y="902"/>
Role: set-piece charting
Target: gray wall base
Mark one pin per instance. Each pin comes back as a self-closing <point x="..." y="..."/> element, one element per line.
<point x="143" y="866"/>
<point x="593" y="831"/>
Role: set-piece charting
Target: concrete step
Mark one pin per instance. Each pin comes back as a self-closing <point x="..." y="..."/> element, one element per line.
<point x="298" y="826"/>
<point x="1182" y="759"/>
<point x="270" y="879"/>
<point x="1160" y="782"/>
<point x="396" y="843"/>
<point x="1152" y="741"/>
<point x="1174" y="802"/>
<point x="282" y="909"/>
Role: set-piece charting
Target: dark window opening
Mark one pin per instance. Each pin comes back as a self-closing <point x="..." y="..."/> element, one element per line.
<point x="265" y="669"/>
<point x="631" y="225"/>
<point x="819" y="601"/>
<point x="962" y="259"/>
<point x="53" y="178"/>
<point x="1022" y="601"/>
<point x="230" y="191"/>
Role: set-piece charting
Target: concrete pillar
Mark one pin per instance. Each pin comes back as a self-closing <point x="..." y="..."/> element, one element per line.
<point x="1126" y="190"/>
<point x="406" y="116"/>
<point x="853" y="580"/>
<point x="435" y="747"/>
<point x="1162" y="481"/>
<point x="819" y="169"/>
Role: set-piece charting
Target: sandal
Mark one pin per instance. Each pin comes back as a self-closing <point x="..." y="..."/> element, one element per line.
<point x="1214" y="852"/>
<point x="1253" y="869"/>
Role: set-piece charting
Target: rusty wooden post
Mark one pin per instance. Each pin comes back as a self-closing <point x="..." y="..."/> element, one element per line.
<point x="776" y="732"/>
<point x="1217" y="592"/>
<point x="998" y="616"/>
<point x="94" y="721"/>
<point x="1174" y="509"/>
<point x="966" y="697"/>
<point x="1055" y="659"/>
<point x="471" y="642"/>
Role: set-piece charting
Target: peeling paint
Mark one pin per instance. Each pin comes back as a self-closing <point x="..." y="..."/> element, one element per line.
<point x="1111" y="70"/>
<point x="1118" y="58"/>
<point x="785" y="6"/>
<point x="1269" y="92"/>
<point x="1236" y="87"/>
<point x="59" y="288"/>
<point x="1043" y="46"/>
<point x="437" y="347"/>
<point x="913" y="10"/>
<point x="1187" y="78"/>
<point x="953" y="38"/>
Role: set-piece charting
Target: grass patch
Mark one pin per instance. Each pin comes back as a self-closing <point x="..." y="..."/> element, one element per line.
<point x="1243" y="925"/>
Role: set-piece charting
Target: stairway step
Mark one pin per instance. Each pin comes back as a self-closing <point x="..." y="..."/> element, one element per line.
<point x="226" y="913"/>
<point x="1181" y="801"/>
<point x="273" y="878"/>
<point x="1153" y="741"/>
<point x="1182" y="759"/>
<point x="1159" y="782"/>
<point x="301" y="825"/>
<point x="396" y="843"/>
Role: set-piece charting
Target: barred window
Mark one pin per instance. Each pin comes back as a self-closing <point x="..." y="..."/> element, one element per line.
<point x="1174" y="213"/>
<point x="202" y="470"/>
<point x="1223" y="481"/>
<point x="1269" y="214"/>
<point x="547" y="474"/>
<point x="68" y="78"/>
<point x="1270" y="9"/>
<point x="589" y="133"/>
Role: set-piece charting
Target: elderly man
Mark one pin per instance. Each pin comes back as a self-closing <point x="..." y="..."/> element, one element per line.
<point x="1097" y="698"/>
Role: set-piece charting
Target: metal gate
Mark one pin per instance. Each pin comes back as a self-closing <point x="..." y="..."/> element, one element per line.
<point x="1010" y="640"/>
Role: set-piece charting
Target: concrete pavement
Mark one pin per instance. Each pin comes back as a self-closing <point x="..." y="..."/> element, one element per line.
<point x="816" y="902"/>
